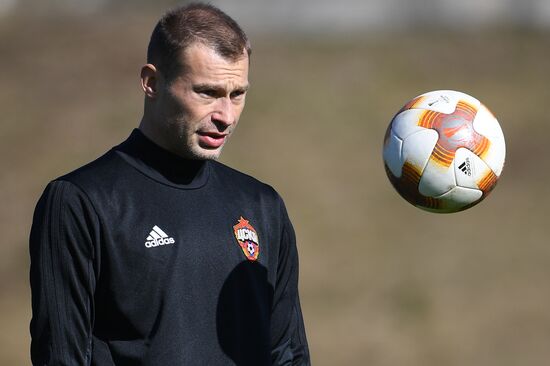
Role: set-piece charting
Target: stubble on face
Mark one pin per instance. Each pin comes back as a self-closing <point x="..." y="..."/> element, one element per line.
<point x="202" y="106"/>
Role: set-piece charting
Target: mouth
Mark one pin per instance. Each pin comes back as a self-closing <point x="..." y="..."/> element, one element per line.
<point x="211" y="140"/>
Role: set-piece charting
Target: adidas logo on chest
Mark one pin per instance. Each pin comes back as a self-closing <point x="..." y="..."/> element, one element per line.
<point x="158" y="237"/>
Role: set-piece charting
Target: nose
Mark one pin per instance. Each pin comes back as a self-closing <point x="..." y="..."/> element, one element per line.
<point x="224" y="114"/>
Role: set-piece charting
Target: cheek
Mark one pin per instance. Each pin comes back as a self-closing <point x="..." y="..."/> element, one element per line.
<point x="239" y="109"/>
<point x="176" y="102"/>
<point x="192" y="109"/>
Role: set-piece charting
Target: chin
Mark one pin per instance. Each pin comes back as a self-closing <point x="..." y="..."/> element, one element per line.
<point x="206" y="154"/>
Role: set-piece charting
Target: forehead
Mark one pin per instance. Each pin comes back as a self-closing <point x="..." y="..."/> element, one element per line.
<point x="202" y="64"/>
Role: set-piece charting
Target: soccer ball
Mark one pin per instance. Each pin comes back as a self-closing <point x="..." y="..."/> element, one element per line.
<point x="444" y="151"/>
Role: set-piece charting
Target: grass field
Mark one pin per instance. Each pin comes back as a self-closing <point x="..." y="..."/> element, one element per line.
<point x="382" y="283"/>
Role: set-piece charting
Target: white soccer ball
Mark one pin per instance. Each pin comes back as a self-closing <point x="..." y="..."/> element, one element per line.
<point x="251" y="248"/>
<point x="444" y="151"/>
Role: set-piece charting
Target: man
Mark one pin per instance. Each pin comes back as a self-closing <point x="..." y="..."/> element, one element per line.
<point x="156" y="254"/>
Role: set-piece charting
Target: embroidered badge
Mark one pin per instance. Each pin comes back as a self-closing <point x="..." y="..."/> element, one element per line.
<point x="247" y="237"/>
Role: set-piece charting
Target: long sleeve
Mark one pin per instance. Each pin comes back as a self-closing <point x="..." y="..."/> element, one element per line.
<point x="62" y="276"/>
<point x="289" y="343"/>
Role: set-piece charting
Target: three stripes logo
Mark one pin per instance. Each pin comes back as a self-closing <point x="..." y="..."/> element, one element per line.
<point x="466" y="167"/>
<point x="158" y="237"/>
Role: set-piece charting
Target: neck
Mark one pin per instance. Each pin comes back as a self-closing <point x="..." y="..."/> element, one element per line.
<point x="149" y="126"/>
<point x="160" y="163"/>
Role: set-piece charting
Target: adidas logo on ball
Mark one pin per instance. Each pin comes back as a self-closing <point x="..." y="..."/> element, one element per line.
<point x="466" y="168"/>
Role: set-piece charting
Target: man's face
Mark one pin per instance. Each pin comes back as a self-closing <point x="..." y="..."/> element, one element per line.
<point x="201" y="107"/>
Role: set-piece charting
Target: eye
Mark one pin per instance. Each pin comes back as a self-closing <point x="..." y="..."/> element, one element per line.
<point x="208" y="93"/>
<point x="238" y="94"/>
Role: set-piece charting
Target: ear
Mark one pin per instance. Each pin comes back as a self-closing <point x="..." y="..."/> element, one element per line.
<point x="149" y="80"/>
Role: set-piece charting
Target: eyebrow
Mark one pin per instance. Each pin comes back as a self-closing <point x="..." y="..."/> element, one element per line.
<point x="217" y="87"/>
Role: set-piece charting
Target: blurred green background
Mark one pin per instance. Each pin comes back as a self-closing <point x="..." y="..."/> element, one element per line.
<point x="382" y="283"/>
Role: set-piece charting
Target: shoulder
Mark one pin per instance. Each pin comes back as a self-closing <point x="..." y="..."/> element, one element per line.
<point x="98" y="175"/>
<point x="82" y="186"/>
<point x="245" y="188"/>
<point x="238" y="181"/>
<point x="96" y="169"/>
<point x="63" y="205"/>
<point x="75" y="186"/>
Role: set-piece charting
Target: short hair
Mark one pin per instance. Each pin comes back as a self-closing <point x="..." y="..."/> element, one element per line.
<point x="189" y="24"/>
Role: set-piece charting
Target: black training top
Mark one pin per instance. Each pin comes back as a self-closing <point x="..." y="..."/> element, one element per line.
<point x="144" y="258"/>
